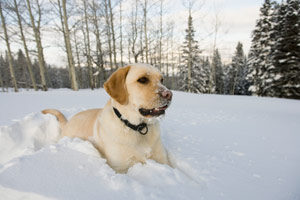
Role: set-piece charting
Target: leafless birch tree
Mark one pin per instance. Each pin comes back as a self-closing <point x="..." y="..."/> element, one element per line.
<point x="87" y="45"/>
<point x="37" y="34"/>
<point x="10" y="58"/>
<point x="28" y="60"/>
<point x="69" y="47"/>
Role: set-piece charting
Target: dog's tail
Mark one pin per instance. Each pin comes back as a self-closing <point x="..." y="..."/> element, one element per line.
<point x="59" y="116"/>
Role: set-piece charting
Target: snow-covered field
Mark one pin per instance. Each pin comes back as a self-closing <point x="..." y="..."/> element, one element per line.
<point x="224" y="147"/>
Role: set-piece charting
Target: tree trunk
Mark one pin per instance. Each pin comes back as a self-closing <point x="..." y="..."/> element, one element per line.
<point x="134" y="33"/>
<point x="234" y="81"/>
<point x="190" y="54"/>
<point x="28" y="61"/>
<point x="112" y="33"/>
<point x="108" y="34"/>
<point x="145" y="31"/>
<point x="1" y="82"/>
<point x="89" y="60"/>
<point x="167" y="60"/>
<point x="37" y="36"/>
<point x="64" y="35"/>
<point x="160" y="35"/>
<point x="128" y="49"/>
<point x="212" y="81"/>
<point x="121" y="35"/>
<point x="141" y="43"/>
<point x="100" y="60"/>
<point x="10" y="59"/>
<point x="172" y="57"/>
<point x="78" y="62"/>
<point x="69" y="48"/>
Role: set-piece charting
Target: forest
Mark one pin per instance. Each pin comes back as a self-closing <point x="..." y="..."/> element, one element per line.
<point x="99" y="36"/>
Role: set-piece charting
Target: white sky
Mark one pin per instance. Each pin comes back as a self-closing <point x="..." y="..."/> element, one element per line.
<point x="237" y="20"/>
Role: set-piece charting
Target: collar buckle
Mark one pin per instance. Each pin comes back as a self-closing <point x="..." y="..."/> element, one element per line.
<point x="141" y="127"/>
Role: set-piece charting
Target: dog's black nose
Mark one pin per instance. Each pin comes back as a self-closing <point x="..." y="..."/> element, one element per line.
<point x="167" y="94"/>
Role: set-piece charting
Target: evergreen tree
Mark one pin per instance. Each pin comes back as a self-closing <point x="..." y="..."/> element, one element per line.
<point x="238" y="72"/>
<point x="275" y="51"/>
<point x="286" y="51"/>
<point x="259" y="56"/>
<point x="21" y="72"/>
<point x="219" y="74"/>
<point x="228" y="78"/>
<point x="193" y="73"/>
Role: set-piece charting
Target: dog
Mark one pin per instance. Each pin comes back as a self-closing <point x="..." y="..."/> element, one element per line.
<point x="126" y="131"/>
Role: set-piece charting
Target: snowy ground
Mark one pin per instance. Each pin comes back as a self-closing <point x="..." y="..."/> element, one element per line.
<point x="225" y="147"/>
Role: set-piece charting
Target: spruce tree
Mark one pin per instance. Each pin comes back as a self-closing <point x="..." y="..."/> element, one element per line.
<point x="286" y="51"/>
<point x="193" y="73"/>
<point x="259" y="56"/>
<point x="21" y="70"/>
<point x="238" y="72"/>
<point x="219" y="74"/>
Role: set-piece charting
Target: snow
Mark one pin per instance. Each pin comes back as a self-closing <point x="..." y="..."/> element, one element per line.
<point x="224" y="147"/>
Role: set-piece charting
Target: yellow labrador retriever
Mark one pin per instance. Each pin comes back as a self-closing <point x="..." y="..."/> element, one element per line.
<point x="126" y="130"/>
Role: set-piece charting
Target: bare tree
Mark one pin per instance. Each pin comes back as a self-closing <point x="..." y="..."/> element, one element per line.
<point x="108" y="34"/>
<point x="145" y="10"/>
<point x="112" y="32"/>
<point x="78" y="60"/>
<point x="133" y="40"/>
<point x="69" y="47"/>
<point x="99" y="51"/>
<point x="190" y="47"/>
<point x="1" y="82"/>
<point x="36" y="30"/>
<point x="10" y="58"/>
<point x="121" y="34"/>
<point x="64" y="28"/>
<point x="87" y="45"/>
<point x="28" y="60"/>
<point x="213" y="74"/>
<point x="160" y="33"/>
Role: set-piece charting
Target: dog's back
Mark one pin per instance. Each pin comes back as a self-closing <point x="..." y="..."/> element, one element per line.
<point x="80" y="125"/>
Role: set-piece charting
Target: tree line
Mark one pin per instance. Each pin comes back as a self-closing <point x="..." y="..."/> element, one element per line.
<point x="272" y="67"/>
<point x="100" y="35"/>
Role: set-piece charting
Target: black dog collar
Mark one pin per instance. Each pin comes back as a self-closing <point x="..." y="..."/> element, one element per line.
<point x="140" y="127"/>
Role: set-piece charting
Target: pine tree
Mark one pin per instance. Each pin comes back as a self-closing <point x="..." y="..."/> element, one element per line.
<point x="193" y="73"/>
<point x="259" y="56"/>
<point x="238" y="72"/>
<point x="242" y="87"/>
<point x="219" y="74"/>
<point x="286" y="51"/>
<point x="20" y="69"/>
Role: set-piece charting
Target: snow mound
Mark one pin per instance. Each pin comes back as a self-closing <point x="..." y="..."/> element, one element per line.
<point x="26" y="136"/>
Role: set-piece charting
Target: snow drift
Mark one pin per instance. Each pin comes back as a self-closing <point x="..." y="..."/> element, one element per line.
<point x="224" y="147"/>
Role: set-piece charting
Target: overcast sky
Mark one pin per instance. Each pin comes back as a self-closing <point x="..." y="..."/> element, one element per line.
<point x="237" y="20"/>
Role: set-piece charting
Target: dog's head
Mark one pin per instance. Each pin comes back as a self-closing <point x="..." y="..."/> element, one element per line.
<point x="139" y="87"/>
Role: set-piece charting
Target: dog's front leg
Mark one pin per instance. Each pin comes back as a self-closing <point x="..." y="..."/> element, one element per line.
<point x="159" y="154"/>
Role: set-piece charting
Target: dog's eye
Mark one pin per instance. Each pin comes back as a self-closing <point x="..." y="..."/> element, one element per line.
<point x="143" y="80"/>
<point x="162" y="80"/>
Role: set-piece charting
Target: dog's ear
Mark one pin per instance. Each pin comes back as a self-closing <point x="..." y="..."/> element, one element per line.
<point x="115" y="86"/>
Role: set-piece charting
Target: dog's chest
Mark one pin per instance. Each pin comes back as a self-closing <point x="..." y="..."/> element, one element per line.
<point x="144" y="152"/>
